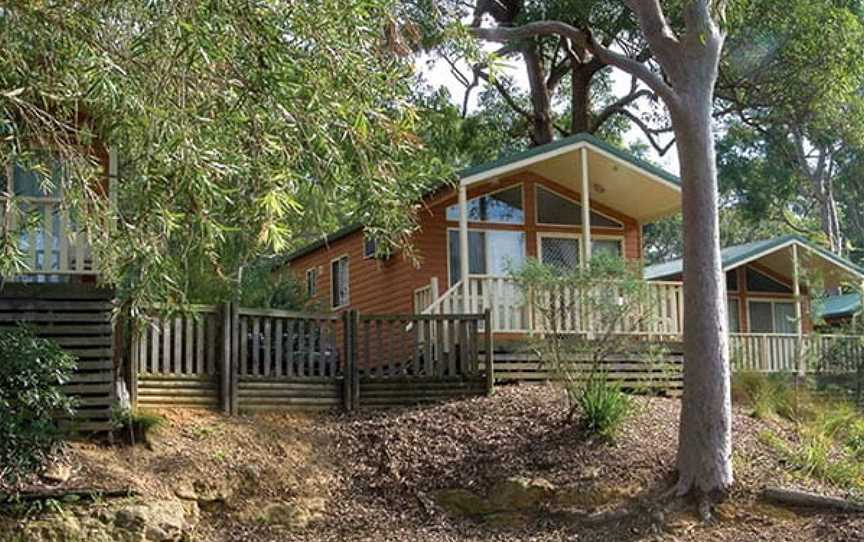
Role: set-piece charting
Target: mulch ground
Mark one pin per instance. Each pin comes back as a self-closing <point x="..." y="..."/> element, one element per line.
<point x="377" y="469"/>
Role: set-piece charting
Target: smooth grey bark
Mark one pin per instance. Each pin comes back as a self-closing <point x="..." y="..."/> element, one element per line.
<point x="690" y="68"/>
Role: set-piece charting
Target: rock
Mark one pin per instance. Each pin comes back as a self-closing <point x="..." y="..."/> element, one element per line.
<point x="57" y="474"/>
<point x="520" y="493"/>
<point x="211" y="491"/>
<point x="159" y="521"/>
<point x="184" y="490"/>
<point x="58" y="528"/>
<point x="461" y="502"/>
<point x="294" y="515"/>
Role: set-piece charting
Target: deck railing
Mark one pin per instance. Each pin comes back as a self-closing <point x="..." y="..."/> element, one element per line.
<point x="514" y="311"/>
<point x="55" y="245"/>
<point x="786" y="352"/>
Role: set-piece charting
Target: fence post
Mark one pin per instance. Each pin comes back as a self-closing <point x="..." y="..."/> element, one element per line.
<point x="490" y="368"/>
<point x="350" y="360"/>
<point x="355" y="369"/>
<point x="235" y="361"/>
<point x="225" y="365"/>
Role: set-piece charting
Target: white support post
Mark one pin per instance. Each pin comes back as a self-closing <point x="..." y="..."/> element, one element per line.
<point x="799" y="324"/>
<point x="586" y="210"/>
<point x="464" y="268"/>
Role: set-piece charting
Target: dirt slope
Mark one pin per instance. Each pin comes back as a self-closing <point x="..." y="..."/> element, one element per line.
<point x="375" y="472"/>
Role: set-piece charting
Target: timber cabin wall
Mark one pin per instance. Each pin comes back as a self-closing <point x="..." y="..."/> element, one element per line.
<point x="387" y="286"/>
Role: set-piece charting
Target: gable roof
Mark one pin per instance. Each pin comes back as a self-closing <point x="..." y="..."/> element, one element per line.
<point x="737" y="255"/>
<point x="513" y="161"/>
<point x="560" y="146"/>
<point x="838" y="306"/>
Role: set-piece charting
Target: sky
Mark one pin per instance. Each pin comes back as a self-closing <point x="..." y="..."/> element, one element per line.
<point x="437" y="73"/>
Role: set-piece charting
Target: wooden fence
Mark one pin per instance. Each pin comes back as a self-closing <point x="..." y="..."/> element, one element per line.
<point x="241" y="359"/>
<point x="634" y="370"/>
<point x="78" y="318"/>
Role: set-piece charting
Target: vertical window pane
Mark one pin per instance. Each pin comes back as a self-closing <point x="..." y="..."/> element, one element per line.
<point x="784" y="318"/>
<point x="761" y="317"/>
<point x="29" y="183"/>
<point x="339" y="282"/>
<point x="734" y="317"/>
<point x="560" y="252"/>
<point x="505" y="251"/>
<point x="476" y="254"/>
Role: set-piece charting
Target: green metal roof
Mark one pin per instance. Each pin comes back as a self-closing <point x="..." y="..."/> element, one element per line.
<point x="565" y="142"/>
<point x="503" y="161"/>
<point x="838" y="306"/>
<point x="733" y="256"/>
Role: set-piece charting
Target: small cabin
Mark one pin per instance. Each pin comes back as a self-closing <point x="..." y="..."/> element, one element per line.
<point x="532" y="204"/>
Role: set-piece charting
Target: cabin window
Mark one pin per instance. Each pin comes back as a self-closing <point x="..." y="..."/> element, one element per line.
<point x="760" y="282"/>
<point x="768" y="316"/>
<point x="489" y="252"/>
<point x="732" y="280"/>
<point x="339" y="282"/>
<point x="607" y="247"/>
<point x="555" y="209"/>
<point x="733" y="315"/>
<point x="501" y="207"/>
<point x="560" y="253"/>
<point x="311" y="282"/>
<point x="370" y="247"/>
<point x="25" y="182"/>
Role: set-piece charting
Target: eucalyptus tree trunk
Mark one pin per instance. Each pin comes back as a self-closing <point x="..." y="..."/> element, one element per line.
<point x="705" y="433"/>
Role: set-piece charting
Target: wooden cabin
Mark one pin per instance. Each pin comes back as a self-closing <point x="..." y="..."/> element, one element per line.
<point x="531" y="204"/>
<point x="56" y="293"/>
<point x="772" y="286"/>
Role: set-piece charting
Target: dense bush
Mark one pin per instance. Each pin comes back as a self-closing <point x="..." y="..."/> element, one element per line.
<point x="31" y="372"/>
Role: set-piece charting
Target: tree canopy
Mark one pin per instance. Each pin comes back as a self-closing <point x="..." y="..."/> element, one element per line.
<point x="241" y="128"/>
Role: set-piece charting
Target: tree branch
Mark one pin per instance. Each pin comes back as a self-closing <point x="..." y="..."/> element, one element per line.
<point x="620" y="104"/>
<point x="650" y="133"/>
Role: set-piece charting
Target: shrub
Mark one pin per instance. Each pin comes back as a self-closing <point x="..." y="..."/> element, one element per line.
<point x="31" y="372"/>
<point x="603" y="404"/>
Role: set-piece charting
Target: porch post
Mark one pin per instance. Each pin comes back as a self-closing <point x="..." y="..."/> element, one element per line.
<point x="799" y="324"/>
<point x="586" y="211"/>
<point x="463" y="245"/>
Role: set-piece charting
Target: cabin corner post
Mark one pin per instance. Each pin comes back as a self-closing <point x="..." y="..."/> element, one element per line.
<point x="799" y="324"/>
<point x="464" y="268"/>
<point x="586" y="209"/>
<point x="489" y="346"/>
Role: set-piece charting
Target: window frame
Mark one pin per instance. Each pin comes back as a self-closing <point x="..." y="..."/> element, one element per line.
<point x="737" y="300"/>
<point x="539" y="186"/>
<point x="312" y="272"/>
<point x="772" y="301"/>
<point x="347" y="300"/>
<point x="578" y="236"/>
<point x="482" y="230"/>
<point x="520" y="185"/>
<point x="364" y="242"/>
<point x="8" y="169"/>
<point x="783" y="283"/>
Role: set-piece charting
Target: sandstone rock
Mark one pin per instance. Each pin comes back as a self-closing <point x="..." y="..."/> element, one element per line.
<point x="211" y="491"/>
<point x="159" y="521"/>
<point x="461" y="502"/>
<point x="57" y="474"/>
<point x="294" y="515"/>
<point x="520" y="493"/>
<point x="507" y="519"/>
<point x="184" y="490"/>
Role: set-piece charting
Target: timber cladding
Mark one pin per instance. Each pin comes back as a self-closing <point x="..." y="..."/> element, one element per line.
<point x="78" y="318"/>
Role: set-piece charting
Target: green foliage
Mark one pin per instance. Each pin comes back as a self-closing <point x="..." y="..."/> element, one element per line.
<point x="830" y="433"/>
<point x="240" y="130"/>
<point x="603" y="405"/>
<point x="31" y="372"/>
